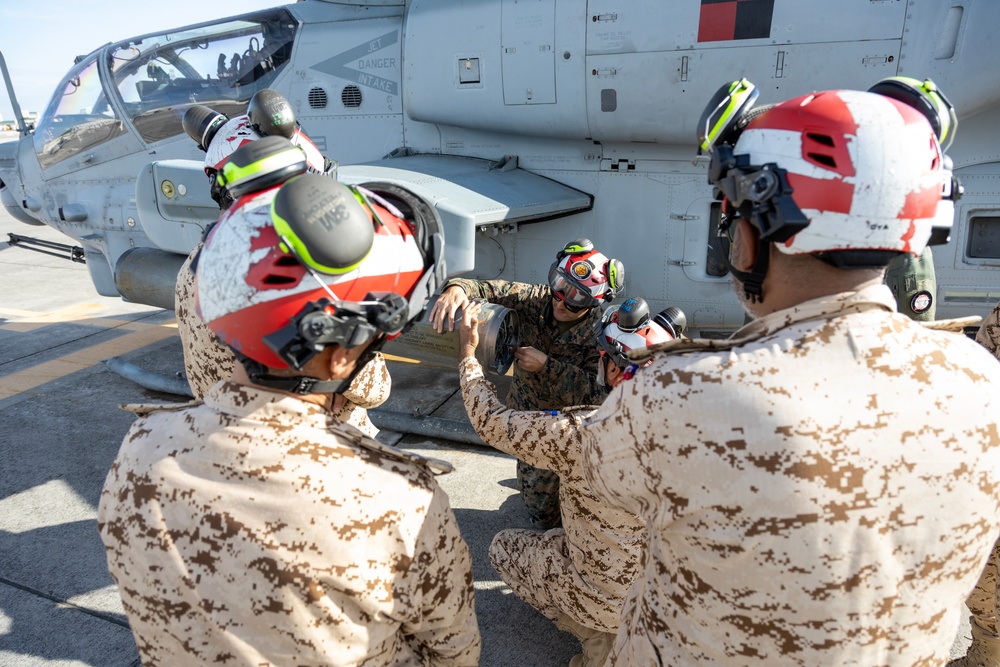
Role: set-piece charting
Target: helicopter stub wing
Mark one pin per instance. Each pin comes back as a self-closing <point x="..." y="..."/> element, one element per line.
<point x="472" y="194"/>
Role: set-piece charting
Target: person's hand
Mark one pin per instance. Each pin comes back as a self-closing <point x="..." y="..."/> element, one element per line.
<point x="451" y="300"/>
<point x="468" y="331"/>
<point x="530" y="359"/>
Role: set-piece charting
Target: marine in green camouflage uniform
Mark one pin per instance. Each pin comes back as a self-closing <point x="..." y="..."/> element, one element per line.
<point x="568" y="378"/>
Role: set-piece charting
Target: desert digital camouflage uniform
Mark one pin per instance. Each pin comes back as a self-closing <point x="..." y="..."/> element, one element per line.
<point x="821" y="489"/>
<point x="984" y="602"/>
<point x="583" y="569"/>
<point x="255" y="529"/>
<point x="207" y="361"/>
<point x="569" y="377"/>
<point x="989" y="332"/>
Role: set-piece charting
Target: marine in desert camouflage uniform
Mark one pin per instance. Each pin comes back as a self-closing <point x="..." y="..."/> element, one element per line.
<point x="985" y="599"/>
<point x="206" y="361"/>
<point x="576" y="575"/>
<point x="823" y="487"/>
<point x="254" y="528"/>
<point x="556" y="364"/>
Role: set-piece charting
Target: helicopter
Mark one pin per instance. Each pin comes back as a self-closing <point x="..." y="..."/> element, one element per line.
<point x="524" y="123"/>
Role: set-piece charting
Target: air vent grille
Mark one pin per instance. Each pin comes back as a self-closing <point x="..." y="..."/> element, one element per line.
<point x="351" y="97"/>
<point x="317" y="98"/>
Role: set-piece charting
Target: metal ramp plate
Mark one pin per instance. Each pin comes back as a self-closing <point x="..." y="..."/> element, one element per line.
<point x="471" y="193"/>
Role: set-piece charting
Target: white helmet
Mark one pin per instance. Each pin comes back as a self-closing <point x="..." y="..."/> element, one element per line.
<point x="853" y="178"/>
<point x="864" y="170"/>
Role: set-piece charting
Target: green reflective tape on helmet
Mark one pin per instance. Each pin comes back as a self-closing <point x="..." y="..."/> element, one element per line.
<point x="739" y="92"/>
<point x="232" y="173"/>
<point x="319" y="223"/>
<point x="925" y="97"/>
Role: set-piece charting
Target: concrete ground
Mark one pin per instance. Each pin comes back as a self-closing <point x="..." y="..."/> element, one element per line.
<point x="60" y="428"/>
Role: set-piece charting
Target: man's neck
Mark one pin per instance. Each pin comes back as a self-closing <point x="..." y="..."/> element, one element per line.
<point x="323" y="400"/>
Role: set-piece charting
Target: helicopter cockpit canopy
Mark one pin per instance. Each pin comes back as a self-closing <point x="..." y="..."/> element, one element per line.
<point x="149" y="82"/>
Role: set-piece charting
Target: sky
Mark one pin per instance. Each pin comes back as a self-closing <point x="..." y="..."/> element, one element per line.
<point x="40" y="38"/>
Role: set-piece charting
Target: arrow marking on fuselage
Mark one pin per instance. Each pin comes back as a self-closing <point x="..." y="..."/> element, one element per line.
<point x="336" y="66"/>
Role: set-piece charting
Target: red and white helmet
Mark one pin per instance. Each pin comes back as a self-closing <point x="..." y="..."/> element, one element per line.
<point x="379" y="256"/>
<point x="237" y="132"/>
<point x="629" y="327"/>
<point x="583" y="277"/>
<point x="838" y="171"/>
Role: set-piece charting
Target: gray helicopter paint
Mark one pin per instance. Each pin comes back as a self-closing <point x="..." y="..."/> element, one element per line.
<point x="599" y="96"/>
<point x="366" y="57"/>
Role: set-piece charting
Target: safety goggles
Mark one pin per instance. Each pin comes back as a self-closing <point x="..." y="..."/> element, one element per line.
<point x="569" y="291"/>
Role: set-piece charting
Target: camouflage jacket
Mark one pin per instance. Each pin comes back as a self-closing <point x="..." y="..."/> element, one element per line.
<point x="255" y="529"/>
<point x="989" y="333"/>
<point x="207" y="361"/>
<point x="570" y="373"/>
<point x="602" y="541"/>
<point x="821" y="489"/>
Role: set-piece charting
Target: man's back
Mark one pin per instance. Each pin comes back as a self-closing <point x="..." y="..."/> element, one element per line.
<point x="255" y="528"/>
<point x="825" y="490"/>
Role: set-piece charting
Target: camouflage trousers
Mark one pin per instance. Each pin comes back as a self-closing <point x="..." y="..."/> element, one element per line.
<point x="540" y="491"/>
<point x="538" y="568"/>
<point x="985" y="597"/>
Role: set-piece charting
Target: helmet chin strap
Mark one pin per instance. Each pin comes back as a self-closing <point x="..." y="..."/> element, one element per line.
<point x="753" y="280"/>
<point x="304" y="384"/>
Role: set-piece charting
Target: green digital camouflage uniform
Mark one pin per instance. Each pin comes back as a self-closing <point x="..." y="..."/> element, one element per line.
<point x="569" y="377"/>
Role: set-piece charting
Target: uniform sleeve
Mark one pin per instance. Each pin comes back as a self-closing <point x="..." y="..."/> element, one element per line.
<point x="989" y="333"/>
<point x="577" y="383"/>
<point x="610" y="439"/>
<point x="538" y="438"/>
<point x="516" y="296"/>
<point x="444" y="630"/>
<point x="206" y="360"/>
<point x="370" y="388"/>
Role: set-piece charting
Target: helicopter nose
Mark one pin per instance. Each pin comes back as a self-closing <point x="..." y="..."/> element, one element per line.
<point x="17" y="207"/>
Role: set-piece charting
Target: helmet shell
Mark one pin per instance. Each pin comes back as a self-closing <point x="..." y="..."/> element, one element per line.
<point x="621" y="330"/>
<point x="586" y="279"/>
<point x="866" y="170"/>
<point x="237" y="132"/>
<point x="248" y="287"/>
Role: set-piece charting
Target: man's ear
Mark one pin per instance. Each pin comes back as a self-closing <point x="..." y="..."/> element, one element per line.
<point x="743" y="254"/>
<point x="341" y="361"/>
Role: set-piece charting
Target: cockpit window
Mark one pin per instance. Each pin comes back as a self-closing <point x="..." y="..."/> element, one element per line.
<point x="220" y="66"/>
<point x="78" y="117"/>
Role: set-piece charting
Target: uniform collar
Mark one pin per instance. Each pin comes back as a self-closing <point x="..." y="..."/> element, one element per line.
<point x="876" y="296"/>
<point x="242" y="400"/>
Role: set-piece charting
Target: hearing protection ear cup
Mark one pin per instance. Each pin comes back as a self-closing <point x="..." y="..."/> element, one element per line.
<point x="576" y="247"/>
<point x="925" y="97"/>
<point x="324" y="224"/>
<point x="723" y="117"/>
<point x="616" y="279"/>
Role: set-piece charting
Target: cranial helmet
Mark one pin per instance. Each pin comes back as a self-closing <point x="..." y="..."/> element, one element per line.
<point x="629" y="327"/>
<point x="271" y="114"/>
<point x="259" y="165"/>
<point x="583" y="278"/>
<point x="853" y="178"/>
<point x="322" y="265"/>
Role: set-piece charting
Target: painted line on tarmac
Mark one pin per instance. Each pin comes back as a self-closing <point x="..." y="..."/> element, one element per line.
<point x="35" y="376"/>
<point x="81" y="313"/>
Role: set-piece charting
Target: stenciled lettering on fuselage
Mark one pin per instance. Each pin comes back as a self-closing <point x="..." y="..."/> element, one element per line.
<point x="365" y="57"/>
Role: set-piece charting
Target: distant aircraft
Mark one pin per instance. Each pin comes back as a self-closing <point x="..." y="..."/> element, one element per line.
<point x="526" y="123"/>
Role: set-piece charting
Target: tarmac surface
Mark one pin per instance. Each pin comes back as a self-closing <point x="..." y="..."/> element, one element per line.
<point x="60" y="428"/>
